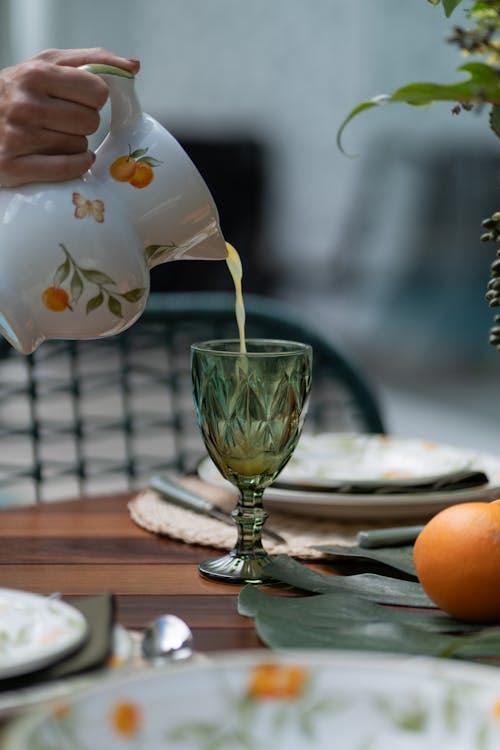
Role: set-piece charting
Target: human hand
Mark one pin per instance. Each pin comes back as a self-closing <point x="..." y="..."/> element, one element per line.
<point x="48" y="107"/>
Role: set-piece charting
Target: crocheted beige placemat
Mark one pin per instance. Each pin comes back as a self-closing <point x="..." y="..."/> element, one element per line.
<point x="302" y="533"/>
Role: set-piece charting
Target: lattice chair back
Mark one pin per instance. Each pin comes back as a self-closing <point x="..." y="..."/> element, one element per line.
<point x="88" y="417"/>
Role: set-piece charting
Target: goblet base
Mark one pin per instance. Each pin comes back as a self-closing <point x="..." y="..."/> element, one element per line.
<point x="236" y="568"/>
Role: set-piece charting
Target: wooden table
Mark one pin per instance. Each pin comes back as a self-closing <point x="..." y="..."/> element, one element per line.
<point x="91" y="546"/>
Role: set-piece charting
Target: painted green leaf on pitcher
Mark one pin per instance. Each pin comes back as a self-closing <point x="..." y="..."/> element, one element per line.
<point x="58" y="298"/>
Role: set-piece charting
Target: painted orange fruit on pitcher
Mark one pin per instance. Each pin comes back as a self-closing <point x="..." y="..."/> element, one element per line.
<point x="136" y="168"/>
<point x="56" y="298"/>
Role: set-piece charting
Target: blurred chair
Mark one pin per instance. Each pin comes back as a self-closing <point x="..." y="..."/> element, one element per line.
<point x="87" y="417"/>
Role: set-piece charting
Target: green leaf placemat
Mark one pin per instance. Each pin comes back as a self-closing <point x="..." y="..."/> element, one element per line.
<point x="279" y="632"/>
<point x="378" y="588"/>
<point x="342" y="609"/>
<point x="358" y="612"/>
<point x="399" y="558"/>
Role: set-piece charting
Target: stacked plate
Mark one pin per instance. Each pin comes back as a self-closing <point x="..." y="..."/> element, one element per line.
<point x="363" y="476"/>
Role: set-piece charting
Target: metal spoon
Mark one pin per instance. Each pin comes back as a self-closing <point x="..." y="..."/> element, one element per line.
<point x="167" y="639"/>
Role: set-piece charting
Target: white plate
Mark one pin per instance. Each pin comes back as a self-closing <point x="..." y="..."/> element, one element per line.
<point x="36" y="631"/>
<point x="353" y="457"/>
<point x="296" y="701"/>
<point x="13" y="701"/>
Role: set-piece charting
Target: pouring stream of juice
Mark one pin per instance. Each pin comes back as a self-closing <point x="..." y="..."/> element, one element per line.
<point x="234" y="264"/>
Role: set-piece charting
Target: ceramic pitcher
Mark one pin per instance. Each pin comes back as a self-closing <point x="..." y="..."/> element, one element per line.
<point x="75" y="256"/>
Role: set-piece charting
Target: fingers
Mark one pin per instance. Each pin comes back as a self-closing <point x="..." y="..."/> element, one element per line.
<point x="35" y="90"/>
<point x="44" y="168"/>
<point x="38" y="80"/>
<point x="58" y="115"/>
<point x="76" y="57"/>
<point x="25" y="113"/>
<point x="74" y="85"/>
<point x="19" y="141"/>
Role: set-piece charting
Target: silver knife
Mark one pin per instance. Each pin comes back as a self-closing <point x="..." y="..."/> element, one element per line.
<point x="179" y="495"/>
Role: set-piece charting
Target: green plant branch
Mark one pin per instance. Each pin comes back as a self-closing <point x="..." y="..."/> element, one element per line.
<point x="481" y="88"/>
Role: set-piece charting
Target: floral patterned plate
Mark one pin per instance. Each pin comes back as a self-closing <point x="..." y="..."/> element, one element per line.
<point x="36" y="631"/>
<point x="291" y="701"/>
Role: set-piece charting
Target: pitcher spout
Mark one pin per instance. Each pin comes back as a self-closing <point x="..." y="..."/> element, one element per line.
<point x="208" y="244"/>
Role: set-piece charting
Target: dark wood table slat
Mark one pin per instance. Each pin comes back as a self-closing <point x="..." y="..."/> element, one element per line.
<point x="89" y="546"/>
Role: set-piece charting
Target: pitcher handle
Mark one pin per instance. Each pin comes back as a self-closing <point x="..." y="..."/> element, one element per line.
<point x="125" y="106"/>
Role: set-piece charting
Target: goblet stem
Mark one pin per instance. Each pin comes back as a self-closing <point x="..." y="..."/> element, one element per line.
<point x="249" y="516"/>
<point x="245" y="562"/>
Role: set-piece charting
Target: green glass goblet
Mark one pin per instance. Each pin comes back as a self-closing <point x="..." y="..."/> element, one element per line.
<point x="250" y="408"/>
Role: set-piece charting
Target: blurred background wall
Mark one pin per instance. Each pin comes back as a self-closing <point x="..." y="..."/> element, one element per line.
<point x="381" y="250"/>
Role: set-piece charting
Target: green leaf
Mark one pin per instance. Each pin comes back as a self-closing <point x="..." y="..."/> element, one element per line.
<point x="340" y="610"/>
<point x="278" y="631"/>
<point x="485" y="11"/>
<point x="62" y="272"/>
<point x="249" y="600"/>
<point x="76" y="286"/>
<point x="150" y="251"/>
<point x="382" y="589"/>
<point x="482" y="644"/>
<point x="375" y="102"/>
<point x="159" y="249"/>
<point x="95" y="302"/>
<point x="282" y="628"/>
<point x="495" y="119"/>
<point x="351" y="612"/>
<point x="483" y="84"/>
<point x="331" y="607"/>
<point x="398" y="558"/>
<point x="114" y="306"/>
<point x="134" y="295"/>
<point x="96" y="277"/>
<point x="139" y="152"/>
<point x="449" y="6"/>
<point x="151" y="161"/>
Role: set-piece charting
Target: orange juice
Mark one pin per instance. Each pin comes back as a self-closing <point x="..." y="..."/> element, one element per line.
<point x="235" y="269"/>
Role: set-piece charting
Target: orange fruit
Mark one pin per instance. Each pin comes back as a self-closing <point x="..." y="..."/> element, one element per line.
<point x="55" y="298"/>
<point x="457" y="558"/>
<point x="123" y="168"/>
<point x="143" y="175"/>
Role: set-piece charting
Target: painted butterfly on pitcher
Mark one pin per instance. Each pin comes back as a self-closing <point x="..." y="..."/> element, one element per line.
<point x="84" y="208"/>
